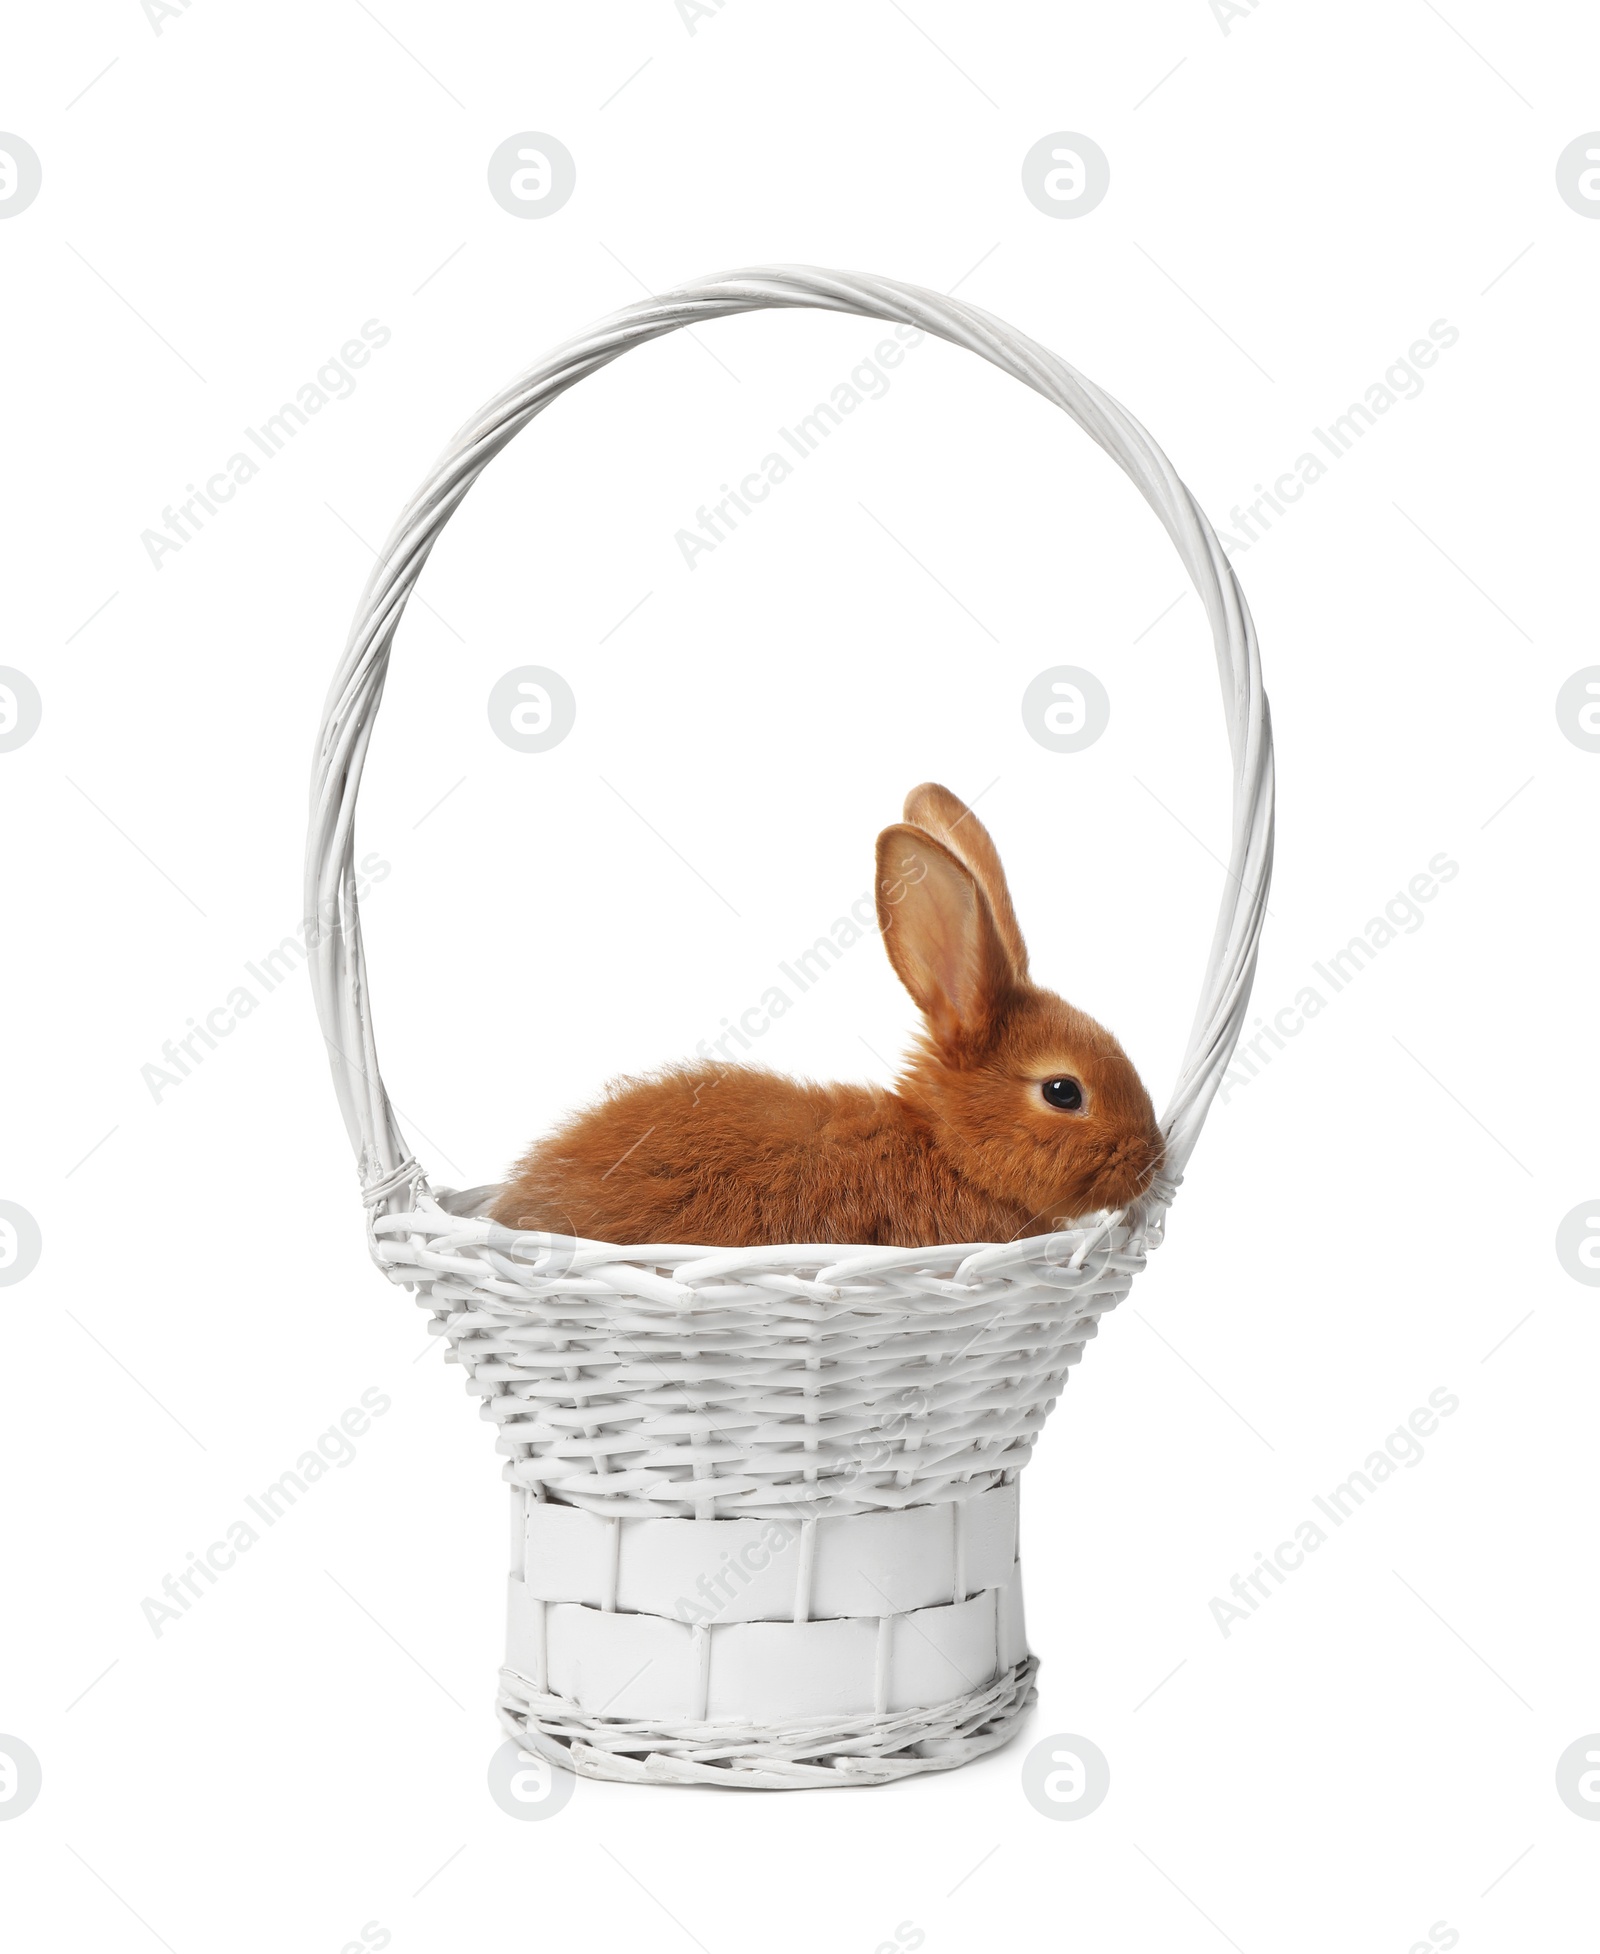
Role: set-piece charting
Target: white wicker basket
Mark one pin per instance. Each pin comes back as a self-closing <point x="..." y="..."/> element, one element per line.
<point x="763" y="1501"/>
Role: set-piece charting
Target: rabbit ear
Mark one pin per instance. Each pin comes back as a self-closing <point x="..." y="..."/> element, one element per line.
<point x="937" y="810"/>
<point x="941" y="937"/>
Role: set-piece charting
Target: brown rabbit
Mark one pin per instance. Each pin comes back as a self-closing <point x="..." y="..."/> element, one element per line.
<point x="1014" y="1115"/>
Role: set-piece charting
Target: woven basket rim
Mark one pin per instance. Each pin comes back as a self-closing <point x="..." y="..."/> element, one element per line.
<point x="436" y="1200"/>
<point x="799" y="1289"/>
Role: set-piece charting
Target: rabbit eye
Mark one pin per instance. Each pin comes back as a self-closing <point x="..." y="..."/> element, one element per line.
<point x="1066" y="1095"/>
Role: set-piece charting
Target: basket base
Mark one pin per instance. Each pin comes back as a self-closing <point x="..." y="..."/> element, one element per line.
<point x="803" y="1755"/>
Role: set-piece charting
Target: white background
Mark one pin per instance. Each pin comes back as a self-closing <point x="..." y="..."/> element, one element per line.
<point x="1370" y="1219"/>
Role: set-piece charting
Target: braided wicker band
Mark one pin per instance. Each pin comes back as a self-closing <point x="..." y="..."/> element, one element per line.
<point x="763" y="1500"/>
<point x="796" y="1755"/>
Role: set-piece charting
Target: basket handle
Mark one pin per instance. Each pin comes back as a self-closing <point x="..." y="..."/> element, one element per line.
<point x="389" y="1175"/>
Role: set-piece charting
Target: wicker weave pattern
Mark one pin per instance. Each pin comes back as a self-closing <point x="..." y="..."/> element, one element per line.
<point x="714" y="1386"/>
<point x="796" y="1569"/>
<point x="634" y="1667"/>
